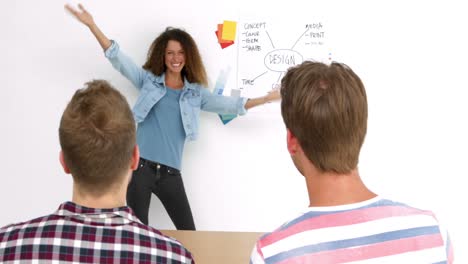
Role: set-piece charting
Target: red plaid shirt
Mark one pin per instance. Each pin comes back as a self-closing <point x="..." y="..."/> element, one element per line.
<point x="86" y="235"/>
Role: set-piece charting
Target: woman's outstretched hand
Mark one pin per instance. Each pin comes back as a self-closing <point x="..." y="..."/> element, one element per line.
<point x="87" y="19"/>
<point x="82" y="15"/>
<point x="273" y="95"/>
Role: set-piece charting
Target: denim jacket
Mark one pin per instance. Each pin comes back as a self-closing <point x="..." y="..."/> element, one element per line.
<point x="152" y="88"/>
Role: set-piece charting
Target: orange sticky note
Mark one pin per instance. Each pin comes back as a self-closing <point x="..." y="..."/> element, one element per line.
<point x="219" y="34"/>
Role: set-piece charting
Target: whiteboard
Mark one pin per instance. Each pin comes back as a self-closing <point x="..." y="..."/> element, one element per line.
<point x="411" y="56"/>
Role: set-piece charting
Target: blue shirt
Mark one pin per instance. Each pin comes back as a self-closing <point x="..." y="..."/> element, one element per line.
<point x="161" y="137"/>
<point x="193" y="98"/>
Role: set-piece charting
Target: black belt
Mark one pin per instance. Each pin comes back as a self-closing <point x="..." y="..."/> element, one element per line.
<point x="157" y="165"/>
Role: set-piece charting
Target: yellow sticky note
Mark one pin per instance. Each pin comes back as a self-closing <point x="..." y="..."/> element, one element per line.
<point x="229" y="30"/>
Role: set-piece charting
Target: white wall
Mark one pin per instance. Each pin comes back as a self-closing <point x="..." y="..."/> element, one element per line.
<point x="411" y="56"/>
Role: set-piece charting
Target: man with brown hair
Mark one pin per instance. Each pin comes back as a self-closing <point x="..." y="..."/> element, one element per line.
<point x="97" y="136"/>
<point x="324" y="108"/>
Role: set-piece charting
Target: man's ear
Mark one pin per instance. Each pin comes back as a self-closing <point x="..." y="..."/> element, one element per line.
<point x="292" y="143"/>
<point x="135" y="158"/>
<point x="62" y="161"/>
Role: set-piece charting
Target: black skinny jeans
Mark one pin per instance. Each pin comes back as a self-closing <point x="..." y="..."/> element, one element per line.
<point x="166" y="183"/>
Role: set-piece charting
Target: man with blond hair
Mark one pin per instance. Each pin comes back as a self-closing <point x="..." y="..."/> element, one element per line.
<point x="324" y="108"/>
<point x="97" y="137"/>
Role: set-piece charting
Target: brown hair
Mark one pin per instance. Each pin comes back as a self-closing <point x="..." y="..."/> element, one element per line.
<point x="194" y="70"/>
<point x="97" y="136"/>
<point x="325" y="108"/>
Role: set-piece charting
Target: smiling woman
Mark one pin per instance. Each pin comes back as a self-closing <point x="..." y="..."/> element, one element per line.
<point x="174" y="60"/>
<point x="172" y="92"/>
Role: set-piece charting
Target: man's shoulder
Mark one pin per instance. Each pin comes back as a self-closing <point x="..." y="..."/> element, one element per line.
<point x="152" y="232"/>
<point x="10" y="230"/>
<point x="157" y="237"/>
<point x="402" y="208"/>
<point x="21" y="225"/>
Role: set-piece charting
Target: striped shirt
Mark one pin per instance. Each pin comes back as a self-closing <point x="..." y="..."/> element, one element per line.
<point x="77" y="234"/>
<point x="373" y="231"/>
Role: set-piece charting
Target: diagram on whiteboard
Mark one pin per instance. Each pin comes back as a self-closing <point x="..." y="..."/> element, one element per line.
<point x="266" y="49"/>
